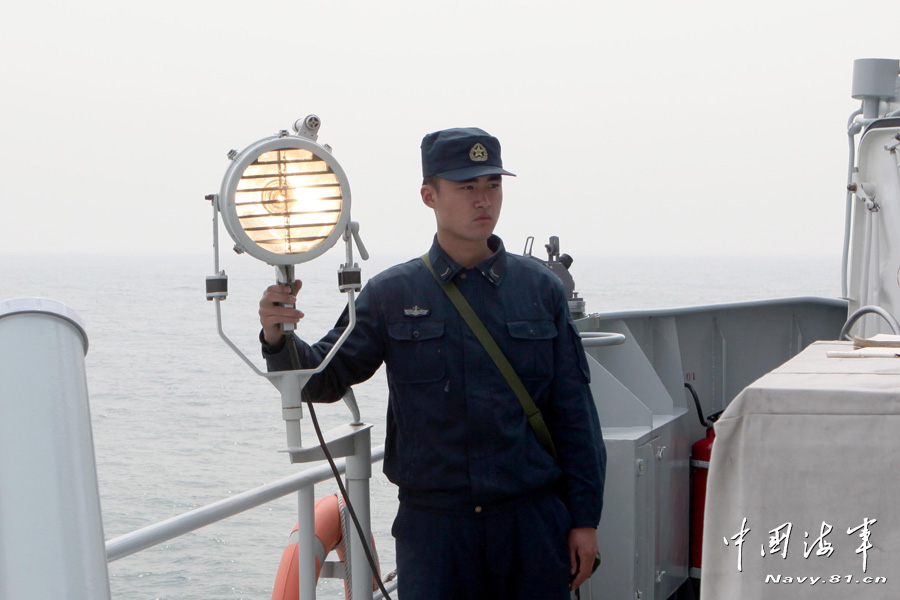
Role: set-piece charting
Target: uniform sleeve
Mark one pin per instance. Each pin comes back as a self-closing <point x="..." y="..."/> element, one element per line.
<point x="575" y="426"/>
<point x="356" y="360"/>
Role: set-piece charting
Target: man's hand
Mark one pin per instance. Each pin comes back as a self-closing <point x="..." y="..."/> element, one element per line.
<point x="582" y="552"/>
<point x="272" y="314"/>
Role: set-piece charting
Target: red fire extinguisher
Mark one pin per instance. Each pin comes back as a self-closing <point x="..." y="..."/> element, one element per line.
<point x="701" y="452"/>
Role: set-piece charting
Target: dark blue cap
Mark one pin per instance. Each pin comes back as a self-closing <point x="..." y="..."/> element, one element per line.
<point x="461" y="154"/>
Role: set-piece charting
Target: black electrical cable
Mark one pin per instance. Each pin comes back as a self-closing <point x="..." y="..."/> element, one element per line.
<point x="711" y="418"/>
<point x="295" y="361"/>
<point x="690" y="388"/>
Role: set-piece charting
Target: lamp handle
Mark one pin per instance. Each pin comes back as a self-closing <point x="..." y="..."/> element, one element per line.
<point x="353" y="229"/>
<point x="285" y="276"/>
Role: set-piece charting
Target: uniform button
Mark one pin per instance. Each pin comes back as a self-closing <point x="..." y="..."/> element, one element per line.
<point x="462" y="275"/>
<point x="415" y="334"/>
<point x="533" y="333"/>
<point x="478" y="509"/>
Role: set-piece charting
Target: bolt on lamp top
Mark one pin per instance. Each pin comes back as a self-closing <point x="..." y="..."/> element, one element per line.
<point x="308" y="127"/>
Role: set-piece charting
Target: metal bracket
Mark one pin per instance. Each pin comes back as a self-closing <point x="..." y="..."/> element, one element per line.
<point x="865" y="191"/>
<point x="341" y="441"/>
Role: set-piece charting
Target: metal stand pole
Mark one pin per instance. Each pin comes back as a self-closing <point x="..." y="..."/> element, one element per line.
<point x="359" y="472"/>
<point x="306" y="553"/>
<point x="290" y="385"/>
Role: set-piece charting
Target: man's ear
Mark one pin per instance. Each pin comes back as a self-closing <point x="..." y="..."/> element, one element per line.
<point x="427" y="191"/>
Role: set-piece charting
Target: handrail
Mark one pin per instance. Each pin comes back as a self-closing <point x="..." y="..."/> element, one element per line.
<point x="149" y="536"/>
<point x="852" y="130"/>
<point x="719" y="307"/>
<point x="867" y="310"/>
<point x="594" y="339"/>
<point x="390" y="587"/>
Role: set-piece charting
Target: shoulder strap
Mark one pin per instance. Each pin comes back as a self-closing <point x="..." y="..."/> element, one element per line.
<point x="532" y="412"/>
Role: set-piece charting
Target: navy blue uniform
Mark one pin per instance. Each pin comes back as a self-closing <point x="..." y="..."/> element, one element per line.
<point x="458" y="444"/>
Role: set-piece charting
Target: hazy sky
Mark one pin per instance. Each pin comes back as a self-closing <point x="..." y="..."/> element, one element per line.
<point x="634" y="127"/>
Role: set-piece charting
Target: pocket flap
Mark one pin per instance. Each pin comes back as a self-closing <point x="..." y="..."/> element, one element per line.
<point x="415" y="330"/>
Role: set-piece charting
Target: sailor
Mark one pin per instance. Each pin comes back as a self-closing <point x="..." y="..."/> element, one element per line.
<point x="485" y="510"/>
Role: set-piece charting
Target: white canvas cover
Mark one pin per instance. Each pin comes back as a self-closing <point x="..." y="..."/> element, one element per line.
<point x="813" y="445"/>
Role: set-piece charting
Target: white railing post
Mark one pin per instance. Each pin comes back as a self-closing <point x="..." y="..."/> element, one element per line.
<point x="306" y="552"/>
<point x="359" y="472"/>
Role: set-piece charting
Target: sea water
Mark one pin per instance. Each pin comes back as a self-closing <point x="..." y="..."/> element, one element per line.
<point x="179" y="421"/>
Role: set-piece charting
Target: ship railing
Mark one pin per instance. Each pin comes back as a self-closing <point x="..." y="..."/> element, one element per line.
<point x="302" y="483"/>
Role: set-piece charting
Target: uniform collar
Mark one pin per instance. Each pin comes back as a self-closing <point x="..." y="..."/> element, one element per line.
<point x="492" y="268"/>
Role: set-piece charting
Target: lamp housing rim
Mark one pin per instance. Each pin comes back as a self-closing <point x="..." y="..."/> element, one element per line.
<point x="233" y="176"/>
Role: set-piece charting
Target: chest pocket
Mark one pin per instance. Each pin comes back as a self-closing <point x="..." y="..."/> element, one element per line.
<point x="532" y="348"/>
<point x="418" y="351"/>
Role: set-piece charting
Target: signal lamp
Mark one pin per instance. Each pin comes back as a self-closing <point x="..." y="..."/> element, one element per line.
<point x="285" y="199"/>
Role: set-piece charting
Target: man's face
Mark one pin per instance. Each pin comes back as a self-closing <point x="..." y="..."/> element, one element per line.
<point x="466" y="211"/>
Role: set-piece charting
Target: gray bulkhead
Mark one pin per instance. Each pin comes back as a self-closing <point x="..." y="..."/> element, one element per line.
<point x="649" y="420"/>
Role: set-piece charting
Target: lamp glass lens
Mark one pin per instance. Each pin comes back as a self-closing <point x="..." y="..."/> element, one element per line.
<point x="288" y="201"/>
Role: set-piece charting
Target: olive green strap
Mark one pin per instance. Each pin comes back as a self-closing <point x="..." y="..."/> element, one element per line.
<point x="532" y="412"/>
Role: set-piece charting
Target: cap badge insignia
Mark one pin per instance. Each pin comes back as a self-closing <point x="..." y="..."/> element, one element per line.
<point x="478" y="153"/>
<point x="415" y="311"/>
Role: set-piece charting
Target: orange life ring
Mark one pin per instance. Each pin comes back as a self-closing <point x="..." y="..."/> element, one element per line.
<point x="328" y="516"/>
